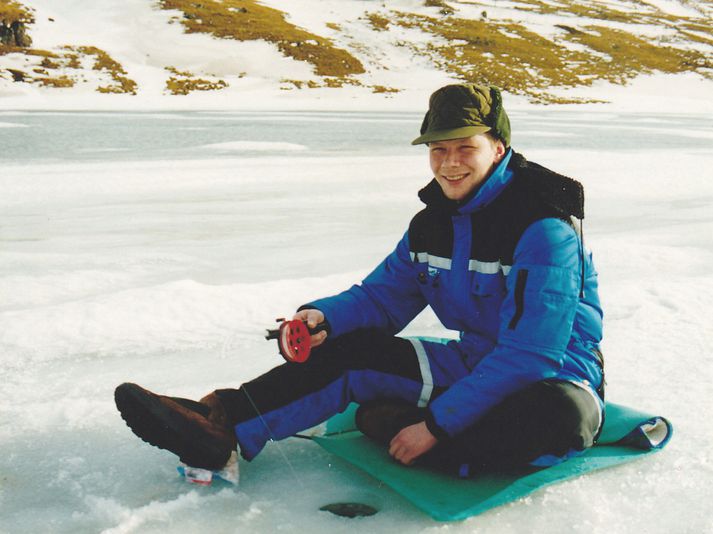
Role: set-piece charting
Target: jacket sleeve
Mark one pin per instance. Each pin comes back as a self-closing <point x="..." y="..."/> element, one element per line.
<point x="388" y="298"/>
<point x="536" y="320"/>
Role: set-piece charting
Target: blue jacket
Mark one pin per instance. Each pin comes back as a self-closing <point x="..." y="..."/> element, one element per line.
<point x="507" y="270"/>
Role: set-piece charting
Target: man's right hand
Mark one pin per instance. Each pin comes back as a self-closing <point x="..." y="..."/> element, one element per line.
<point x="312" y="318"/>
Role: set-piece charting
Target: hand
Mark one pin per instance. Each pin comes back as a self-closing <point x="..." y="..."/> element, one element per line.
<point x="412" y="442"/>
<point x="312" y="318"/>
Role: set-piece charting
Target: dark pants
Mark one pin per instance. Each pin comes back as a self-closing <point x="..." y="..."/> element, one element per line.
<point x="545" y="418"/>
<point x="542" y="423"/>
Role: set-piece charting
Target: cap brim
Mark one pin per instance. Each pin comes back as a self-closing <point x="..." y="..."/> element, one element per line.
<point x="454" y="133"/>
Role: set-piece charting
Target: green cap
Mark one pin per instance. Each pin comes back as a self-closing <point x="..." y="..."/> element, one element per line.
<point x="462" y="110"/>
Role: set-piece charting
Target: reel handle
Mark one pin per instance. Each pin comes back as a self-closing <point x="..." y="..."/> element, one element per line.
<point x="293" y="339"/>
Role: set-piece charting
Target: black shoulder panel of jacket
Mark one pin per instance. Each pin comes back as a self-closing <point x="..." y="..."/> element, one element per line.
<point x="554" y="191"/>
<point x="431" y="231"/>
<point x="534" y="193"/>
<point x="432" y="195"/>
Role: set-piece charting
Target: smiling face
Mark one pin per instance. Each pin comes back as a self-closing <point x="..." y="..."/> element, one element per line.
<point x="462" y="165"/>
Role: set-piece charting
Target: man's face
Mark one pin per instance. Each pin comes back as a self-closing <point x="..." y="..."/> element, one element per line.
<point x="460" y="166"/>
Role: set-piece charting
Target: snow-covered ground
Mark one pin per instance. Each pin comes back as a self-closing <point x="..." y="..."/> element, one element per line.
<point x="156" y="247"/>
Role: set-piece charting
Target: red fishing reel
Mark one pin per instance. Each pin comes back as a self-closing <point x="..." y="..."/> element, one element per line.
<point x="293" y="339"/>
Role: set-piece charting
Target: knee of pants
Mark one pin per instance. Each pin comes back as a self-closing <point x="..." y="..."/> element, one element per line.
<point x="576" y="414"/>
<point x="552" y="413"/>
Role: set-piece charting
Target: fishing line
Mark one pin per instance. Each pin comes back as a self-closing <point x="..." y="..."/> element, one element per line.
<point x="304" y="354"/>
<point x="273" y="439"/>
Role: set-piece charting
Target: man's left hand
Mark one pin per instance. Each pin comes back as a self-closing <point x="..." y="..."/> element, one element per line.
<point x="411" y="442"/>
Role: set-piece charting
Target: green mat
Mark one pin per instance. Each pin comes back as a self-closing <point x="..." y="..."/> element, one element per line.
<point x="627" y="435"/>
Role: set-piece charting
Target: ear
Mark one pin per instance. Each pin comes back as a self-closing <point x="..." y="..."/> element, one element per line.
<point x="499" y="150"/>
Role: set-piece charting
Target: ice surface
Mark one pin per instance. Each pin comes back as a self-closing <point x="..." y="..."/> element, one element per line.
<point x="129" y="252"/>
<point x="244" y="146"/>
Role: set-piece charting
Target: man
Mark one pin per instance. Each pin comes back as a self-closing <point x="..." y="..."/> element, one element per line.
<point x="497" y="257"/>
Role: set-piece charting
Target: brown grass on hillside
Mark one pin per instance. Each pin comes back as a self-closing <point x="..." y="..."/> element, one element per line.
<point x="521" y="61"/>
<point x="11" y="11"/>
<point x="502" y="52"/>
<point x="384" y="89"/>
<point x="59" y="82"/>
<point x="444" y="9"/>
<point x="628" y="55"/>
<point x="591" y="9"/>
<point x="289" y="84"/>
<point x="248" y="20"/>
<point x="378" y="22"/>
<point x="63" y="68"/>
<point x="104" y="62"/>
<point x="184" y="86"/>
<point x="26" y="51"/>
<point x="183" y="83"/>
<point x="505" y="54"/>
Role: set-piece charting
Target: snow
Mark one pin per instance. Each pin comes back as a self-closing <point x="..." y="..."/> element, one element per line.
<point x="131" y="252"/>
<point x="656" y="93"/>
<point x="679" y="8"/>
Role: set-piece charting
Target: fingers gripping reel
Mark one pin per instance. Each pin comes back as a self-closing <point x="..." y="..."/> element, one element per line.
<point x="293" y="339"/>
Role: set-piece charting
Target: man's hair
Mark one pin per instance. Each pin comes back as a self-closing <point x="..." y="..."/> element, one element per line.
<point x="494" y="138"/>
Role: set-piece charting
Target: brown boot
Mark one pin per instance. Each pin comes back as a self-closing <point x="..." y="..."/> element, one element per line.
<point x="217" y="413"/>
<point x="177" y="425"/>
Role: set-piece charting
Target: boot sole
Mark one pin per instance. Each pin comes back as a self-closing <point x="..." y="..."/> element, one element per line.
<point x="158" y="425"/>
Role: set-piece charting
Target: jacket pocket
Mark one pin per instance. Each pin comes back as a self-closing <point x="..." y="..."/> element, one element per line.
<point x="488" y="285"/>
<point x="539" y="310"/>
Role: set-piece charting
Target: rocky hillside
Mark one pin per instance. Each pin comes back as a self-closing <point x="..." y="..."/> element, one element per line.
<point x="534" y="48"/>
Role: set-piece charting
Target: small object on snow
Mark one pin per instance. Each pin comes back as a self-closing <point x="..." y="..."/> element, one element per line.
<point x="349" y="509"/>
<point x="196" y="475"/>
<point x="205" y="477"/>
<point x="293" y="339"/>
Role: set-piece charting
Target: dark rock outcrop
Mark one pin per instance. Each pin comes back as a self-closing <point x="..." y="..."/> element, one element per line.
<point x="15" y="35"/>
<point x="17" y="75"/>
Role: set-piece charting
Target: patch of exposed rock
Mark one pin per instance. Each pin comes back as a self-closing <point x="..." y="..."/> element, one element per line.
<point x="15" y="34"/>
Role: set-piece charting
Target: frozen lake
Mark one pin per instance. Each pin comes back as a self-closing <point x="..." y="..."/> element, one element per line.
<point x="46" y="137"/>
<point x="156" y="247"/>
